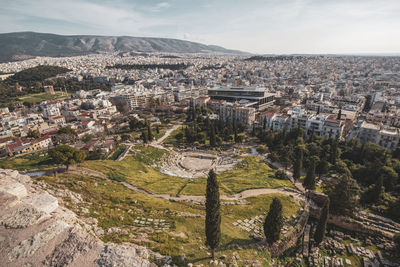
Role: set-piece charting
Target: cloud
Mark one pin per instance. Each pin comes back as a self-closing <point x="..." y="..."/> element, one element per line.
<point x="263" y="26"/>
<point x="100" y="18"/>
<point x="163" y="5"/>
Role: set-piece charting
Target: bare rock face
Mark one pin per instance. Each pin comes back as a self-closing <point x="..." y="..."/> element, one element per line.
<point x="36" y="231"/>
<point x="76" y="244"/>
<point x="29" y="246"/>
<point x="16" y="189"/>
<point x="22" y="217"/>
<point x="122" y="255"/>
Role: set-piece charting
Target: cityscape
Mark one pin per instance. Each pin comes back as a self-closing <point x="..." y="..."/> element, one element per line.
<point x="159" y="151"/>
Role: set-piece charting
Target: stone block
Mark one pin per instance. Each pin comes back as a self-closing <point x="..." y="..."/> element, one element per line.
<point x="16" y="189"/>
<point x="43" y="202"/>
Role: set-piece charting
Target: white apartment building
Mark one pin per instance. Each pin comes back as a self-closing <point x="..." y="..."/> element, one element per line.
<point x="237" y="113"/>
<point x="320" y="125"/>
<point x="50" y="110"/>
<point x="368" y="132"/>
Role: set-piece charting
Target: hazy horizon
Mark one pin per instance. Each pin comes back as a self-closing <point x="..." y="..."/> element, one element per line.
<point x="352" y="27"/>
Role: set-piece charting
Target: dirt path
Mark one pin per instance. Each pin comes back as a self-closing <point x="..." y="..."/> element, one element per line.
<point x="159" y="141"/>
<point x="239" y="196"/>
<point x="123" y="154"/>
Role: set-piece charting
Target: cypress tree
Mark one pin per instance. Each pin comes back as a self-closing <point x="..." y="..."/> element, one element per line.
<point x="213" y="216"/>
<point x="334" y="153"/>
<point x="236" y="137"/>
<point x="213" y="140"/>
<point x="339" y="115"/>
<point x="309" y="181"/>
<point x="149" y="133"/>
<point x="298" y="162"/>
<point x="144" y="137"/>
<point x="321" y="227"/>
<point x="322" y="167"/>
<point x="273" y="222"/>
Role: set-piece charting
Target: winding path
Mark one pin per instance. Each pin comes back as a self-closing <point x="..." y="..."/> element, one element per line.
<point x="239" y="196"/>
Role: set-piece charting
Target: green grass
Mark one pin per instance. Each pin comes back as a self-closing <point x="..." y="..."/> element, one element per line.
<point x="36" y="98"/>
<point x="28" y="162"/>
<point x="109" y="201"/>
<point x="137" y="171"/>
<point x="141" y="170"/>
<point x="162" y="128"/>
<point x="171" y="138"/>
<point x="250" y="173"/>
<point x="118" y="152"/>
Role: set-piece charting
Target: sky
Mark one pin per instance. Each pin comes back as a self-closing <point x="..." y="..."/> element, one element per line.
<point x="256" y="26"/>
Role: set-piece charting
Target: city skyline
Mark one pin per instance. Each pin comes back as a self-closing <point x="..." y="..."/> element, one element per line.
<point x="263" y="27"/>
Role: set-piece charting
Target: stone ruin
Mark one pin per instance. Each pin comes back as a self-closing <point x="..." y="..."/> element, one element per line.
<point x="35" y="230"/>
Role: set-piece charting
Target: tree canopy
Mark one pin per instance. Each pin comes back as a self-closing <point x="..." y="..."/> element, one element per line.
<point x="66" y="155"/>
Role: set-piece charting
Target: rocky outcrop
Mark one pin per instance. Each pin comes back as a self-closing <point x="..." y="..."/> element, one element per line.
<point x="123" y="255"/>
<point x="35" y="230"/>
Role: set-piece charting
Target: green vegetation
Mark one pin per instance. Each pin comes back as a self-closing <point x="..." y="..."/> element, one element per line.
<point x="29" y="162"/>
<point x="66" y="155"/>
<point x="36" y="74"/>
<point x="213" y="215"/>
<point x="250" y="173"/>
<point x="37" y="98"/>
<point x="321" y="226"/>
<point x="273" y="222"/>
<point x="141" y="171"/>
<point x="118" y="152"/>
<point x="348" y="163"/>
<point x="175" y="137"/>
<point x="109" y="201"/>
<point x="309" y="180"/>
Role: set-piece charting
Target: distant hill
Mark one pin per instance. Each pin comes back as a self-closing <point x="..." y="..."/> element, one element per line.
<point x="23" y="45"/>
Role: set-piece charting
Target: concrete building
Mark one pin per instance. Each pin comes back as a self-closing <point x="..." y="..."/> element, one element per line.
<point x="237" y="113"/>
<point x="258" y="96"/>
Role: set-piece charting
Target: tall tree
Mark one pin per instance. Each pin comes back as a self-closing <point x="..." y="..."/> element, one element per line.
<point x="309" y="181"/>
<point x="339" y="115"/>
<point x="33" y="133"/>
<point x="150" y="136"/>
<point x="236" y="137"/>
<point x="273" y="222"/>
<point x="374" y="193"/>
<point x="213" y="140"/>
<point x="144" y="137"/>
<point x="298" y="162"/>
<point x="66" y="155"/>
<point x="334" y="152"/>
<point x="213" y="216"/>
<point x="321" y="226"/>
<point x="343" y="195"/>
<point x="322" y="167"/>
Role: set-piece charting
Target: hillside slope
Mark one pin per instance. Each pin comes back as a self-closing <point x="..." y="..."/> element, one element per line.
<point x="22" y="45"/>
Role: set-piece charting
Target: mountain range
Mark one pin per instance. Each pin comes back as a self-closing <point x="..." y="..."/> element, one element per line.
<point x="24" y="45"/>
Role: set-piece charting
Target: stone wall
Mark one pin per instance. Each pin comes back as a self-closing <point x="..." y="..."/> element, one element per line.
<point x="290" y="240"/>
<point x="351" y="224"/>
